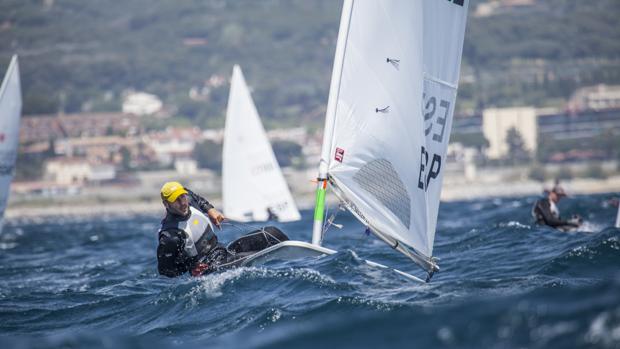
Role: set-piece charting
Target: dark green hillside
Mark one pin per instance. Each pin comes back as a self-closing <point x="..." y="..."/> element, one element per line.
<point x="81" y="55"/>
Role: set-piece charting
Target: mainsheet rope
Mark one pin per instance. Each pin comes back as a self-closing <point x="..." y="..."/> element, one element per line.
<point x="241" y="225"/>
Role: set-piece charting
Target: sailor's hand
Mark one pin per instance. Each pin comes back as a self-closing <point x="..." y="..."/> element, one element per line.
<point x="216" y="217"/>
<point x="576" y="220"/>
<point x="199" y="269"/>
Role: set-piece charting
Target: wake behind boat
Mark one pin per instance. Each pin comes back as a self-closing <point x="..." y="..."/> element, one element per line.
<point x="10" y="113"/>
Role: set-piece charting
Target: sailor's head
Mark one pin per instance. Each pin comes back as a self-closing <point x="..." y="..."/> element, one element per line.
<point x="556" y="193"/>
<point x="174" y="197"/>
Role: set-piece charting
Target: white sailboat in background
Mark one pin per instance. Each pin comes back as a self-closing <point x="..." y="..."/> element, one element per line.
<point x="253" y="187"/>
<point x="10" y="113"/>
<point x="618" y="218"/>
<point x="388" y="122"/>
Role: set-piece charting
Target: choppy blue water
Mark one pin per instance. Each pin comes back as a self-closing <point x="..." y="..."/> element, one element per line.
<point x="84" y="282"/>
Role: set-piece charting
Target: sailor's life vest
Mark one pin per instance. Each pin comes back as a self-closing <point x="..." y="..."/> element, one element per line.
<point x="184" y="242"/>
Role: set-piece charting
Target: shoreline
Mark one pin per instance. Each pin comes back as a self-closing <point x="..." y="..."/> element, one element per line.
<point x="451" y="192"/>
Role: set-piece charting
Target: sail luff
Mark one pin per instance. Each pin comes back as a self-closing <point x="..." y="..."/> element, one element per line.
<point x="330" y="118"/>
<point x="334" y="89"/>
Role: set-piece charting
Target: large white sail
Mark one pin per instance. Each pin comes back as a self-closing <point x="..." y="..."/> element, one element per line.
<point x="618" y="218"/>
<point x="395" y="101"/>
<point x="10" y="112"/>
<point x="252" y="182"/>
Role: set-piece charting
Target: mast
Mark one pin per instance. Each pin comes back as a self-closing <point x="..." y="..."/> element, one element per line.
<point x="330" y="117"/>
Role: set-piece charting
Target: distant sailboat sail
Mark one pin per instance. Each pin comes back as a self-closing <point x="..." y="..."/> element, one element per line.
<point x="618" y="218"/>
<point x="253" y="185"/>
<point x="390" y="115"/>
<point x="10" y="112"/>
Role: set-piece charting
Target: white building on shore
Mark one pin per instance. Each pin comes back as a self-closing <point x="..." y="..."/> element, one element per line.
<point x="78" y="171"/>
<point x="496" y="123"/>
<point x="141" y="103"/>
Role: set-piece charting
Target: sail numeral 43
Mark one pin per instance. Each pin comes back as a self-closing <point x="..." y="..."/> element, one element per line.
<point x="430" y="108"/>
<point x="457" y="2"/>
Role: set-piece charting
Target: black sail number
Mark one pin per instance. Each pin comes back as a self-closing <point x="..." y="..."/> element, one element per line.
<point x="430" y="108"/>
<point x="441" y="121"/>
<point x="429" y="112"/>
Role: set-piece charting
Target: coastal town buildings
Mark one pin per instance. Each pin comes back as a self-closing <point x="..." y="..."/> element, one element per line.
<point x="87" y="149"/>
<point x="173" y="143"/>
<point x="598" y="97"/>
<point x="45" y="127"/>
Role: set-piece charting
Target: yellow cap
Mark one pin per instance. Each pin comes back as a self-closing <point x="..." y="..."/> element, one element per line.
<point x="171" y="191"/>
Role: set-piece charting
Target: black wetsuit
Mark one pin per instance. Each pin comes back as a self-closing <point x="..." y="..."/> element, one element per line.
<point x="177" y="254"/>
<point x="544" y="215"/>
<point x="271" y="216"/>
<point x="172" y="257"/>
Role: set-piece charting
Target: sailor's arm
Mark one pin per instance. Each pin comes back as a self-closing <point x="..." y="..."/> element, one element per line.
<point x="172" y="260"/>
<point x="550" y="219"/>
<point x="198" y="201"/>
<point x="202" y="204"/>
<point x="575" y="221"/>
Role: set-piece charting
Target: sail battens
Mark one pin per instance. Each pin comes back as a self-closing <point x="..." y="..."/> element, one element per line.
<point x="428" y="77"/>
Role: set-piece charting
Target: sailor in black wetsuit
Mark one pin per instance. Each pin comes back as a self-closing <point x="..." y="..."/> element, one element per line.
<point x="187" y="241"/>
<point x="545" y="211"/>
<point x="271" y="216"/>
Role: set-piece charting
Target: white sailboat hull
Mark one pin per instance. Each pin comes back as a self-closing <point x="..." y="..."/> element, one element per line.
<point x="287" y="250"/>
<point x="292" y="250"/>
